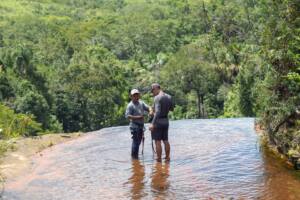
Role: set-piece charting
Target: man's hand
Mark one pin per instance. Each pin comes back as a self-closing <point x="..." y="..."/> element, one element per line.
<point x="151" y="111"/>
<point x="151" y="127"/>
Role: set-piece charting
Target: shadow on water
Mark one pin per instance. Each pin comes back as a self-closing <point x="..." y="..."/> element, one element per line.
<point x="211" y="159"/>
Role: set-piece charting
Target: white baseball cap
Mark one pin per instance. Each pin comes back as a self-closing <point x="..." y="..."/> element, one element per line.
<point x="134" y="91"/>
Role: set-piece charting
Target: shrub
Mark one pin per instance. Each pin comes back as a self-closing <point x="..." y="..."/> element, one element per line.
<point x="13" y="125"/>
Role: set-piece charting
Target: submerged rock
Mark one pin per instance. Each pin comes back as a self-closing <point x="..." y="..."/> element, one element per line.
<point x="297" y="164"/>
<point x="295" y="159"/>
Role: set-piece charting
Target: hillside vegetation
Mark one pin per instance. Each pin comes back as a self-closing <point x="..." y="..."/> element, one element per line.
<point x="67" y="65"/>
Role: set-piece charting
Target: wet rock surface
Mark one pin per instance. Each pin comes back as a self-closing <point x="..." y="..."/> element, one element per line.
<point x="220" y="158"/>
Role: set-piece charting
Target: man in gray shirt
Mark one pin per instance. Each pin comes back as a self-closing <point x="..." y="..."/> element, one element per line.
<point x="160" y="123"/>
<point x="135" y="113"/>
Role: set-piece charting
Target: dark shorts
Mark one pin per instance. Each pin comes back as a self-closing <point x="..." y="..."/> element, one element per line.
<point x="160" y="133"/>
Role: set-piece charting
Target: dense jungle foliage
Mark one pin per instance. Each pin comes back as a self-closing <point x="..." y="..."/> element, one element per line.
<point x="67" y="65"/>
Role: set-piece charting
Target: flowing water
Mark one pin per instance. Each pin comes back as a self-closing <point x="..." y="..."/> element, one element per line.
<point x="210" y="159"/>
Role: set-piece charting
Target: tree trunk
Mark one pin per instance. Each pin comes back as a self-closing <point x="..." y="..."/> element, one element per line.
<point x="202" y="106"/>
<point x="200" y="99"/>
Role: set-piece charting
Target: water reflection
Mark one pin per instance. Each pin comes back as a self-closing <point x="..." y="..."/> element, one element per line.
<point x="279" y="184"/>
<point x="159" y="178"/>
<point x="137" y="179"/>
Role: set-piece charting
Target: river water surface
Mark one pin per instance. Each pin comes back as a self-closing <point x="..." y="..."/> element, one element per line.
<point x="210" y="159"/>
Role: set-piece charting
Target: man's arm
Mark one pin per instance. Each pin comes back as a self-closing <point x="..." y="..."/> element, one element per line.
<point x="145" y="107"/>
<point x="135" y="117"/>
<point x="157" y="108"/>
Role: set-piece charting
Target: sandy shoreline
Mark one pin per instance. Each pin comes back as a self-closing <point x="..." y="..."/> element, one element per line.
<point x="18" y="158"/>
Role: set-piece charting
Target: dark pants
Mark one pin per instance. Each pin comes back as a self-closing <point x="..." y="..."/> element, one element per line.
<point x="137" y="136"/>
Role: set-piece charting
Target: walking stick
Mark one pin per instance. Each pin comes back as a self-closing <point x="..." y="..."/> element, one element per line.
<point x="143" y="143"/>
<point x="153" y="150"/>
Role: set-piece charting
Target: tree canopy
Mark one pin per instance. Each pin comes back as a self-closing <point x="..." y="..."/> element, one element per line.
<point x="68" y="65"/>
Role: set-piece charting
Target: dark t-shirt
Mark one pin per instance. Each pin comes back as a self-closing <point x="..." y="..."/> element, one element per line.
<point x="162" y="105"/>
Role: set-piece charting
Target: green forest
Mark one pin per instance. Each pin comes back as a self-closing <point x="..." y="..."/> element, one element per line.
<point x="67" y="65"/>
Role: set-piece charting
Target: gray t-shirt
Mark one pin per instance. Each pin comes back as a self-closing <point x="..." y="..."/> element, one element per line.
<point x="136" y="109"/>
<point x="162" y="105"/>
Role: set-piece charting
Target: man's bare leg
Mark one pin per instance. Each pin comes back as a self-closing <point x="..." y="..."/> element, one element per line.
<point x="158" y="150"/>
<point x="167" y="149"/>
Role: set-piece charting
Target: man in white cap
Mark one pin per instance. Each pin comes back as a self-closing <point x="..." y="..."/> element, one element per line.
<point x="135" y="113"/>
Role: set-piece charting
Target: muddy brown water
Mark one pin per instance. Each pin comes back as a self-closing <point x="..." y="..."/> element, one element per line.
<point x="211" y="159"/>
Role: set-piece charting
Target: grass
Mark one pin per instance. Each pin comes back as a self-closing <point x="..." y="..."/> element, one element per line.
<point x="5" y="145"/>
